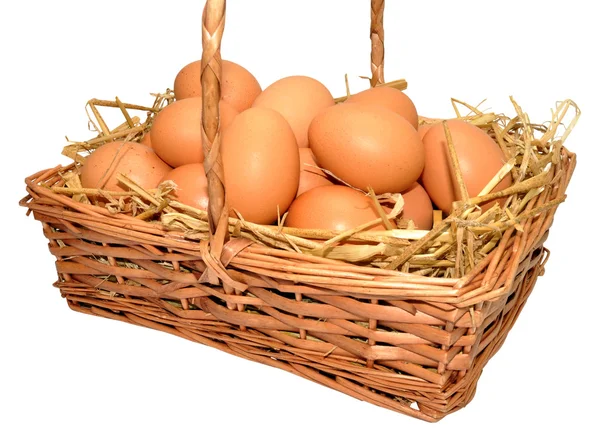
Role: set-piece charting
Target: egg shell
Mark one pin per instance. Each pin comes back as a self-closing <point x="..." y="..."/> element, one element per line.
<point x="333" y="207"/>
<point x="262" y="165"/>
<point x="146" y="139"/>
<point x="310" y="175"/>
<point x="390" y="98"/>
<point x="479" y="157"/>
<point x="177" y="131"/>
<point x="191" y="185"/>
<point x="423" y="129"/>
<point x="418" y="207"/>
<point x="366" y="145"/>
<point x="137" y="161"/>
<point x="299" y="99"/>
<point x="239" y="87"/>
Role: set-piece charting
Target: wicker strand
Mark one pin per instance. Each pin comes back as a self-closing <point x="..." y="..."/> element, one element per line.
<point x="377" y="47"/>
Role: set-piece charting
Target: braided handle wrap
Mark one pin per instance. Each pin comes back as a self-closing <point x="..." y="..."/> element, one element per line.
<point x="213" y="23"/>
<point x="377" y="47"/>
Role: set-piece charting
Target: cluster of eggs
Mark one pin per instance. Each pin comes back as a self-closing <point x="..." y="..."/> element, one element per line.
<point x="291" y="148"/>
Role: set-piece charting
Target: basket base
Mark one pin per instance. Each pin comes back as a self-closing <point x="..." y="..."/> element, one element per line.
<point x="429" y="401"/>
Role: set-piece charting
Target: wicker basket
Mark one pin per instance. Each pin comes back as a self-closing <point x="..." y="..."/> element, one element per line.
<point x="408" y="342"/>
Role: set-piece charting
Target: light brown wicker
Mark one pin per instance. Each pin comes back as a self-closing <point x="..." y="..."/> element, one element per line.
<point x="397" y="338"/>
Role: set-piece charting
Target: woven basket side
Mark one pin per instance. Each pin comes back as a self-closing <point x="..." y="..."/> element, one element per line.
<point x="425" y="353"/>
<point x="382" y="342"/>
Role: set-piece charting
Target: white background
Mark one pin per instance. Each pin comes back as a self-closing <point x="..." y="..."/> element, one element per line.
<point x="69" y="376"/>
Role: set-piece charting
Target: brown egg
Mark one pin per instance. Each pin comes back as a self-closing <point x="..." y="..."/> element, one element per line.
<point x="423" y="129"/>
<point x="310" y="175"/>
<point x="418" y="207"/>
<point x="146" y="139"/>
<point x="137" y="161"/>
<point x="367" y="145"/>
<point x="393" y="99"/>
<point x="238" y="86"/>
<point x="332" y="207"/>
<point x="299" y="99"/>
<point x="262" y="165"/>
<point x="480" y="158"/>
<point x="177" y="131"/>
<point x="192" y="187"/>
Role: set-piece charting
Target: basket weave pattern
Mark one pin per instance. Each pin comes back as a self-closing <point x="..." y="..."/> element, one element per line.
<point x="410" y="343"/>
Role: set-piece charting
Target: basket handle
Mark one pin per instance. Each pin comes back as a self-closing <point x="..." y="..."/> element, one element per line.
<point x="213" y="23"/>
<point x="377" y="47"/>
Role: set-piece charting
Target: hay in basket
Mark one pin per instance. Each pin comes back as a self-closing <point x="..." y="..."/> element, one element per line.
<point x="402" y="318"/>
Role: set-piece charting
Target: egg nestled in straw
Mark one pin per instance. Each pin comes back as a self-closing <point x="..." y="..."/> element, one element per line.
<point x="479" y="157"/>
<point x="136" y="161"/>
<point x="335" y="207"/>
<point x="417" y="207"/>
<point x="262" y="165"/>
<point x="191" y="186"/>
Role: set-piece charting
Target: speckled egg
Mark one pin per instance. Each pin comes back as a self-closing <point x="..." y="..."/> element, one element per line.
<point x="136" y="161"/>
<point x="146" y="139"/>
